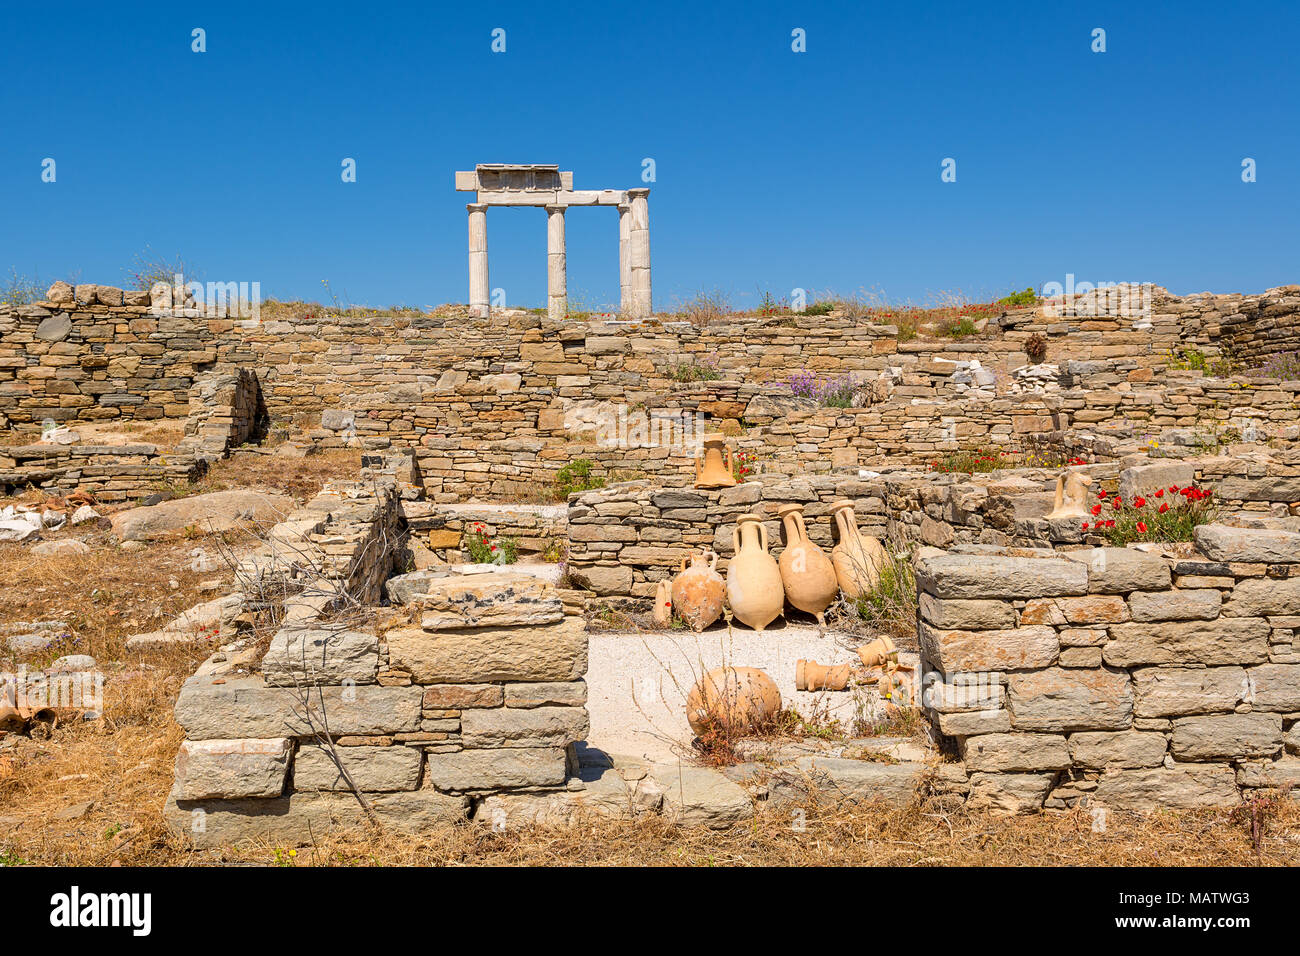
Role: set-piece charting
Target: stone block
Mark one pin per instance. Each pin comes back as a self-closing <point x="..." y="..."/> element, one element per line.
<point x="298" y="819"/>
<point x="372" y="769"/>
<point x="1148" y="479"/>
<point x="1277" y="774"/>
<point x="246" y="707"/>
<point x="1263" y="545"/>
<point x="1223" y="641"/>
<point x="602" y="580"/>
<point x="1120" y="570"/>
<point x="961" y="724"/>
<point x="1183" y="605"/>
<point x="1185" y="787"/>
<point x="1010" y="649"/>
<point x="1090" y="609"/>
<point x="523" y="727"/>
<point x="841" y="780"/>
<point x="1003" y="753"/>
<point x="487" y="600"/>
<point x="462" y="696"/>
<point x="1101" y="749"/>
<point x="967" y="614"/>
<point x="996" y="576"/>
<point x="561" y="693"/>
<point x="1274" y="687"/>
<point x="553" y="652"/>
<point x="1227" y="736"/>
<point x="699" y="796"/>
<point x="475" y="770"/>
<point x="1255" y="597"/>
<point x="1009" y="792"/>
<point x="1179" y="691"/>
<point x="317" y="655"/>
<point x="1062" y="700"/>
<point x="207" y="769"/>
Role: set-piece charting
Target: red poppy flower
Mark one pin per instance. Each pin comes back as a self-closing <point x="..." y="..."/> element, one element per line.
<point x="1160" y="492"/>
<point x="1173" y="489"/>
<point x="1103" y="495"/>
<point x="1139" y="502"/>
<point x="1096" y="509"/>
<point x="1117" y="503"/>
<point x="1164" y="507"/>
<point x="1142" y="527"/>
<point x="1085" y="526"/>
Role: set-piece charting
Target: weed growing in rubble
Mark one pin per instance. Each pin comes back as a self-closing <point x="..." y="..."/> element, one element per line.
<point x="706" y="371"/>
<point x="1285" y="367"/>
<point x="576" y="476"/>
<point x="892" y="604"/>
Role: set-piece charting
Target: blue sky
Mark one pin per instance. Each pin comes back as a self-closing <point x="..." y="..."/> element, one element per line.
<point x="774" y="169"/>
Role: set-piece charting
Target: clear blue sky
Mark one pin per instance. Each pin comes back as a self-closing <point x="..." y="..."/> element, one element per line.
<point x="774" y="169"/>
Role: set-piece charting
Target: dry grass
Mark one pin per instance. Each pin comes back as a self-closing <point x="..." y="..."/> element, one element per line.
<point x="925" y="834"/>
<point x="300" y="477"/>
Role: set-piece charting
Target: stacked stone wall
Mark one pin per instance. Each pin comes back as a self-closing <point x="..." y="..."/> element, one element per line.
<point x="1121" y="678"/>
<point x="474" y="691"/>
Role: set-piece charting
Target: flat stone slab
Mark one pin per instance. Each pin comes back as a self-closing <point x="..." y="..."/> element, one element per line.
<point x="299" y="818"/>
<point x="837" y="779"/>
<point x="210" y="514"/>
<point x="698" y="796"/>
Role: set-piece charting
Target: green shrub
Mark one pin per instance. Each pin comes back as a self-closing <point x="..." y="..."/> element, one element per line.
<point x="576" y="476"/>
<point x="891" y="604"/>
<point x="825" y="307"/>
<point x="1027" y="297"/>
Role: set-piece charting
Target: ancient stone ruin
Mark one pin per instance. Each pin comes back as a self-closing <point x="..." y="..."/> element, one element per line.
<point x="383" y="658"/>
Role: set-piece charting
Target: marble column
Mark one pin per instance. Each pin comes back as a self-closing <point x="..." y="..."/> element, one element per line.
<point x="624" y="263"/>
<point x="478" y="260"/>
<point x="639" y="253"/>
<point x="557" y="301"/>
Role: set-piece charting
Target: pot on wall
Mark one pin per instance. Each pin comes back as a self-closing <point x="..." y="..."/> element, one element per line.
<point x="698" y="590"/>
<point x="858" y="558"/>
<point x="806" y="572"/>
<point x="737" y="699"/>
<point x="754" y="588"/>
<point x="715" y="467"/>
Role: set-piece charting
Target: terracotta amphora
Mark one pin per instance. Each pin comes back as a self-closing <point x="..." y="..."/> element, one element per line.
<point x="754" y="588"/>
<point x="712" y="470"/>
<point x="806" y="572"/>
<point x="663" y="609"/>
<point x="737" y="699"/>
<point x="698" y="590"/>
<point x="878" y="652"/>
<point x="858" y="558"/>
<point x="809" y="675"/>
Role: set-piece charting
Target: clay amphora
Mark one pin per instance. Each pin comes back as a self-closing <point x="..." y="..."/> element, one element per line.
<point x="737" y="699"/>
<point x="806" y="572"/>
<point x="698" y="590"/>
<point x="754" y="588"/>
<point x="713" y="470"/>
<point x="858" y="558"/>
<point x="809" y="675"/>
<point x="878" y="652"/>
<point x="663" y="609"/>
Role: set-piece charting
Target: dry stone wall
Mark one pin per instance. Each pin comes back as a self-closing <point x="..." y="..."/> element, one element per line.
<point x="1120" y="678"/>
<point x="473" y="692"/>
